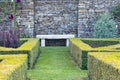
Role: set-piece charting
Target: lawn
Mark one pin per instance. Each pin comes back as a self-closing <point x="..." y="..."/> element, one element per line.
<point x="55" y="63"/>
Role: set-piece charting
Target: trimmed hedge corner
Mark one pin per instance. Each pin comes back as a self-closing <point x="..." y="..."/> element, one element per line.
<point x="13" y="67"/>
<point x="79" y="49"/>
<point x="104" y="65"/>
<point x="30" y="47"/>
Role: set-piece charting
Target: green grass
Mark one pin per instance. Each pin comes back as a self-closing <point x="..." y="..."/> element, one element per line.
<point x="55" y="63"/>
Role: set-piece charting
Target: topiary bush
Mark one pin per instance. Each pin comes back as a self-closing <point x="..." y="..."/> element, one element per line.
<point x="105" y="27"/>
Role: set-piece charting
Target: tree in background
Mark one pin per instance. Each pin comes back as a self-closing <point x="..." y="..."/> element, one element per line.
<point x="105" y="27"/>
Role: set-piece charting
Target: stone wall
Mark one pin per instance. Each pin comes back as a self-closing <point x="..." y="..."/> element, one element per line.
<point x="56" y="16"/>
<point x="61" y="16"/>
<point x="25" y="17"/>
<point x="88" y="11"/>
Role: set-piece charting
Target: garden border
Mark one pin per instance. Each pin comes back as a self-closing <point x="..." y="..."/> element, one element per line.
<point x="79" y="50"/>
<point x="13" y="67"/>
<point x="30" y="47"/>
<point x="104" y="65"/>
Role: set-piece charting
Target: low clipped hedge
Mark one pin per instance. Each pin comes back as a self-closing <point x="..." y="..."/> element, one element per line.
<point x="13" y="67"/>
<point x="30" y="47"/>
<point x="98" y="43"/>
<point x="104" y="66"/>
<point x="79" y="49"/>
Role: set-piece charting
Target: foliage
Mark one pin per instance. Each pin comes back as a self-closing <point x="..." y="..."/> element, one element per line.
<point x="6" y="9"/>
<point x="13" y="67"/>
<point x="100" y="43"/>
<point x="104" y="66"/>
<point x="9" y="37"/>
<point x="105" y="27"/>
<point x="116" y="12"/>
<point x="30" y="47"/>
<point x="79" y="50"/>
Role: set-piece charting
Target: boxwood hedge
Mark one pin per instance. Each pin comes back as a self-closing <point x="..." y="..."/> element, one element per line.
<point x="13" y="67"/>
<point x="30" y="47"/>
<point x="79" y="49"/>
<point x="104" y="65"/>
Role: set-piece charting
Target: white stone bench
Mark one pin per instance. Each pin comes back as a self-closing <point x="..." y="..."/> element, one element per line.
<point x="44" y="37"/>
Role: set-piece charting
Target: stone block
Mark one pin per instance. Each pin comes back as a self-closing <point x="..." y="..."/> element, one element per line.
<point x="99" y="10"/>
<point x="83" y="11"/>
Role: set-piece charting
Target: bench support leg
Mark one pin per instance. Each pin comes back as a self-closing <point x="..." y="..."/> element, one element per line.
<point x="42" y="42"/>
<point x="67" y="42"/>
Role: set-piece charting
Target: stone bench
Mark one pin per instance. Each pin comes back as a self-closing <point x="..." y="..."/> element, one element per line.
<point x="44" y="37"/>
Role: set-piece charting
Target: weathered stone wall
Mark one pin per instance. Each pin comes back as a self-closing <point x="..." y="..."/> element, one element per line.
<point x="25" y="17"/>
<point x="61" y="16"/>
<point x="88" y="11"/>
<point x="56" y="16"/>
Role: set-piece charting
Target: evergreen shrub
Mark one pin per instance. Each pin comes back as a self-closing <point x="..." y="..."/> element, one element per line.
<point x="30" y="47"/>
<point x="104" y="65"/>
<point x="79" y="50"/>
<point x="105" y="27"/>
<point x="13" y="67"/>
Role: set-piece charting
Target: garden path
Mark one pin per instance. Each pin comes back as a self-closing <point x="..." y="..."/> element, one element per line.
<point x="55" y="63"/>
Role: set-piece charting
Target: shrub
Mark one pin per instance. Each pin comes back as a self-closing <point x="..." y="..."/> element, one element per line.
<point x="100" y="43"/>
<point x="104" y="66"/>
<point x="13" y="67"/>
<point x="105" y="27"/>
<point x="79" y="50"/>
<point x="30" y="47"/>
<point x="9" y="38"/>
